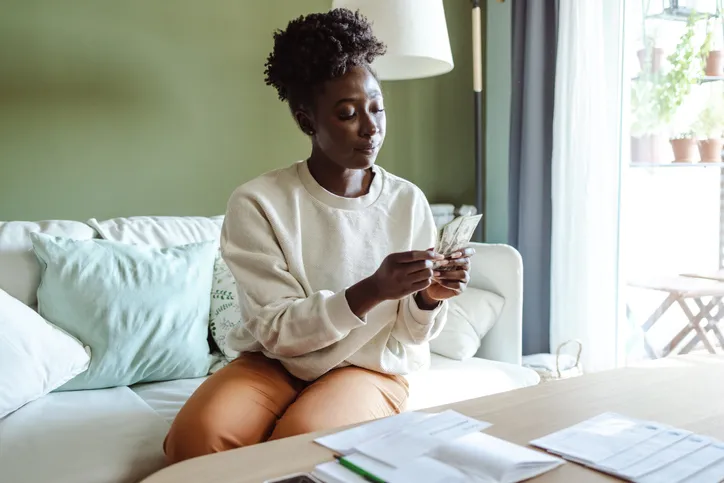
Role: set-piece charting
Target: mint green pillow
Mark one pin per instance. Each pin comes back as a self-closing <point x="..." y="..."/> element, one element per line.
<point x="143" y="311"/>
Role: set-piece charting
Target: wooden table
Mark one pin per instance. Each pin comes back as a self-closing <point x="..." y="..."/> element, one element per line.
<point x="684" y="391"/>
<point x="680" y="289"/>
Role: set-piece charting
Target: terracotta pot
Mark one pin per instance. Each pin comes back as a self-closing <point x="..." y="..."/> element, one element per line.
<point x="648" y="149"/>
<point x="684" y="150"/>
<point x="710" y="150"/>
<point x="715" y="63"/>
<point x="657" y="57"/>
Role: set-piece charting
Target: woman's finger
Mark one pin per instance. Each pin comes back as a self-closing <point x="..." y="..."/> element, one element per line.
<point x="421" y="285"/>
<point x="415" y="267"/>
<point x="452" y="285"/>
<point x="466" y="252"/>
<point x="460" y="263"/>
<point x="420" y="275"/>
<point x="452" y="275"/>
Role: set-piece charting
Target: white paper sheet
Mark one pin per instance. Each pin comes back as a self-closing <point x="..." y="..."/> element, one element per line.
<point x="710" y="474"/>
<point x="666" y="456"/>
<point x="688" y="465"/>
<point x="477" y="457"/>
<point x="346" y="441"/>
<point x="639" y="450"/>
<point x="418" y="439"/>
<point x="644" y="449"/>
<point x="599" y="438"/>
<point x="419" y="470"/>
<point x="489" y="457"/>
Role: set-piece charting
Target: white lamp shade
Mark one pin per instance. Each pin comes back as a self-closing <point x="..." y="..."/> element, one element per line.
<point x="415" y="33"/>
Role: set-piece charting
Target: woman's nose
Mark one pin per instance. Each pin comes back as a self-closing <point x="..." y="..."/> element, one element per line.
<point x="369" y="126"/>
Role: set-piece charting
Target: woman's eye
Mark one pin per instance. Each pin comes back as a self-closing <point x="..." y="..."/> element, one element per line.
<point x="345" y="116"/>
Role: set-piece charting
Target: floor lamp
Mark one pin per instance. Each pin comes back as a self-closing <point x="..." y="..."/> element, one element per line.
<point x="418" y="46"/>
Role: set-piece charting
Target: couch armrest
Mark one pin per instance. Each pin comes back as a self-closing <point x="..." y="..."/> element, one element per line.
<point x="498" y="268"/>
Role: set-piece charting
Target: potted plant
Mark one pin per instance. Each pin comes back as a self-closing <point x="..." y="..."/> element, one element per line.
<point x="686" y="67"/>
<point x="647" y="127"/>
<point x="684" y="146"/>
<point x="712" y="51"/>
<point x="709" y="128"/>
<point x="651" y="56"/>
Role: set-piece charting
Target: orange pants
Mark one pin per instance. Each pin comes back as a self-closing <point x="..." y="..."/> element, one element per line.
<point x="254" y="399"/>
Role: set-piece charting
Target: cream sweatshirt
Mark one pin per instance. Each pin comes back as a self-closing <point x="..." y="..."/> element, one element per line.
<point x="294" y="248"/>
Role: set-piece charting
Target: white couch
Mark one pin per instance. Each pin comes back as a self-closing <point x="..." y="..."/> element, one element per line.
<point x="115" y="435"/>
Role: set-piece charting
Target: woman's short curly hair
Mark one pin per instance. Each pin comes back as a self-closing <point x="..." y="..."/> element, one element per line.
<point x="316" y="48"/>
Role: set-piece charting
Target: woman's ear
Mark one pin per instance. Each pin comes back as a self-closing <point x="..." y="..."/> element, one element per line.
<point x="305" y="122"/>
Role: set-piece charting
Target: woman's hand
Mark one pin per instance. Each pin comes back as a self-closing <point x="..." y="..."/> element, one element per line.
<point x="398" y="276"/>
<point x="402" y="274"/>
<point x="452" y="281"/>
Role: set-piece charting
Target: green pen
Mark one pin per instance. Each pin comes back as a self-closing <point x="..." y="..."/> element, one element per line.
<point x="359" y="471"/>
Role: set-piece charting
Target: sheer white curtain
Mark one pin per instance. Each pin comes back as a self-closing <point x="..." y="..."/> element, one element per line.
<point x="586" y="180"/>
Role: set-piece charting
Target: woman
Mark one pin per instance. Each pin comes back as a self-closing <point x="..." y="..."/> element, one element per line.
<point x="332" y="259"/>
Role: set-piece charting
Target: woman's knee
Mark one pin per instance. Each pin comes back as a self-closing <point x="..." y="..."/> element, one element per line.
<point x="193" y="434"/>
<point x="238" y="406"/>
<point x="348" y="396"/>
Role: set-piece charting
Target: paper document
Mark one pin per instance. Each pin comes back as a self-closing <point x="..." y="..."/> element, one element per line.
<point x="599" y="438"/>
<point x="666" y="456"/>
<point x="494" y="459"/>
<point x="421" y="437"/>
<point x="639" y="450"/>
<point x="420" y="470"/>
<point x="645" y="449"/>
<point x="475" y="458"/>
<point x="711" y="474"/>
<point x="346" y="441"/>
<point x="689" y="466"/>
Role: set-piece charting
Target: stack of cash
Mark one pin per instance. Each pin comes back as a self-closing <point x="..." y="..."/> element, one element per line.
<point x="456" y="235"/>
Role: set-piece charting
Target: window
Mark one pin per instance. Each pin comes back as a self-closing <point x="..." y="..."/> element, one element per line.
<point x="672" y="179"/>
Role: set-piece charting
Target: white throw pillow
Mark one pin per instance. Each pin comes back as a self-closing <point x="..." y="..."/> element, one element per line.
<point x="35" y="356"/>
<point x="160" y="231"/>
<point x="470" y="316"/>
<point x="225" y="310"/>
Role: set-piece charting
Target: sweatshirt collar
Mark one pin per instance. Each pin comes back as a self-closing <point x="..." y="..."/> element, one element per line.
<point x="341" y="202"/>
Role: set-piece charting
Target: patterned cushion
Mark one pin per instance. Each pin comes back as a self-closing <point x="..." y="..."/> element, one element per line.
<point x="225" y="311"/>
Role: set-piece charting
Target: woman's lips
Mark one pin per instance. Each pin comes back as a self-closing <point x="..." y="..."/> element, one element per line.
<point x="368" y="150"/>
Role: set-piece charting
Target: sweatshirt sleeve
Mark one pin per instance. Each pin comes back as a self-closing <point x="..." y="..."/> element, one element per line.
<point x="278" y="313"/>
<point x="415" y="325"/>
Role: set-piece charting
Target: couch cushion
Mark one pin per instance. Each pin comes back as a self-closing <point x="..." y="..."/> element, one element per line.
<point x="469" y="317"/>
<point x="448" y="381"/>
<point x="35" y="356"/>
<point x="19" y="269"/>
<point x="160" y="231"/>
<point x="143" y="311"/>
<point x="103" y="436"/>
<point x="167" y="398"/>
<point x="225" y="313"/>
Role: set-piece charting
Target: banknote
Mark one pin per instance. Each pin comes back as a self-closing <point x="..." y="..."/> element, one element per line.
<point x="456" y="235"/>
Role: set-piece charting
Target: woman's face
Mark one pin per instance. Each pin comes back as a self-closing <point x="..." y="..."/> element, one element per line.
<point x="349" y="119"/>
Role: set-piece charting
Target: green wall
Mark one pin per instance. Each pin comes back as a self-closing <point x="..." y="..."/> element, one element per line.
<point x="158" y="107"/>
